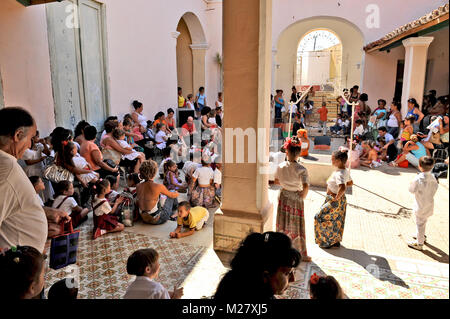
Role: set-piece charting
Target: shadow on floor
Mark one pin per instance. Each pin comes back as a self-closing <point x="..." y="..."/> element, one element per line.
<point x="436" y="254"/>
<point x="375" y="265"/>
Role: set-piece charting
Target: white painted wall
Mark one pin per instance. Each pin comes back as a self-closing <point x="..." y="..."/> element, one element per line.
<point x="142" y="52"/>
<point x="437" y="77"/>
<point x="393" y="14"/>
<point x="141" y="55"/>
<point x="24" y="61"/>
<point x="380" y="70"/>
<point x="315" y="68"/>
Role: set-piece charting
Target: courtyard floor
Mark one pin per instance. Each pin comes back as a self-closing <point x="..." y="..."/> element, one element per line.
<point x="372" y="262"/>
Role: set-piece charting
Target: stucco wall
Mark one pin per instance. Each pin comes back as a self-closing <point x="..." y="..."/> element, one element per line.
<point x="142" y="52"/>
<point x="393" y="14"/>
<point x="438" y="73"/>
<point x="380" y="70"/>
<point x="141" y="55"/>
<point x="24" y="62"/>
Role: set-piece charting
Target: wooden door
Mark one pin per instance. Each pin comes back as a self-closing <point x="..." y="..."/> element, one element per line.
<point x="93" y="61"/>
<point x="65" y="66"/>
<point x="77" y="59"/>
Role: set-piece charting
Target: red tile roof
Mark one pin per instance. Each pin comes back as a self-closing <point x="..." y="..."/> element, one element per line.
<point x="409" y="28"/>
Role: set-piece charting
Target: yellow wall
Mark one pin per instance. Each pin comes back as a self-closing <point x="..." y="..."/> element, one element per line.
<point x="336" y="61"/>
<point x="184" y="59"/>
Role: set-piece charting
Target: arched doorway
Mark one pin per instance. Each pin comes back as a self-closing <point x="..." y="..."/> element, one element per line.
<point x="351" y="40"/>
<point x="191" y="51"/>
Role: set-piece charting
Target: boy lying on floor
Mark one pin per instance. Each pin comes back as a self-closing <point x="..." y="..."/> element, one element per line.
<point x="192" y="218"/>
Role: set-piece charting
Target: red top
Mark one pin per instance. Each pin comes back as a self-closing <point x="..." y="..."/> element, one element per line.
<point x="323" y="113"/>
<point x="186" y="129"/>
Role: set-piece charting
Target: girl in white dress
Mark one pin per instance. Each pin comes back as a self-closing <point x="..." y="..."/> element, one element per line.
<point x="119" y="136"/>
<point x="161" y="136"/>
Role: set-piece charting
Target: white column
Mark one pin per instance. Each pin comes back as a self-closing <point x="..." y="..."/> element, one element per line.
<point x="274" y="69"/>
<point x="175" y="35"/>
<point x="416" y="52"/>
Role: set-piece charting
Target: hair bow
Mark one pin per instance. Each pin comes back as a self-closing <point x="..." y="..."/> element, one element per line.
<point x="314" y="279"/>
<point x="64" y="143"/>
<point x="290" y="142"/>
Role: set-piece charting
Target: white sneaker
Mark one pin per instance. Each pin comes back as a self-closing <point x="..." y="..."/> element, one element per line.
<point x="415" y="245"/>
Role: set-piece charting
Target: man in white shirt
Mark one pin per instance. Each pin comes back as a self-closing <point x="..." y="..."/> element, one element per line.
<point x="23" y="220"/>
<point x="392" y="150"/>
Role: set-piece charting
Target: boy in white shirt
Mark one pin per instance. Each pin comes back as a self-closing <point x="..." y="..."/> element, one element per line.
<point x="424" y="187"/>
<point x="144" y="264"/>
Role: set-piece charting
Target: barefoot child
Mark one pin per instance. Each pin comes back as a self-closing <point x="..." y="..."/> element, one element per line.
<point x="192" y="218"/>
<point x="64" y="201"/>
<point x="171" y="180"/>
<point x="372" y="155"/>
<point x="424" y="187"/>
<point x="144" y="264"/>
<point x="104" y="219"/>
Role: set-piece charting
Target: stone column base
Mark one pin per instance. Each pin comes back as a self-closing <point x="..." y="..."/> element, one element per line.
<point x="231" y="227"/>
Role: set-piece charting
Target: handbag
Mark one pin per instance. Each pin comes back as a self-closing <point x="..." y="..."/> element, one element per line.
<point x="56" y="174"/>
<point x="63" y="248"/>
<point x="111" y="155"/>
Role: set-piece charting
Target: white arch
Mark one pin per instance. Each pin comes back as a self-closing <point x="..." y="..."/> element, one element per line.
<point x="195" y="28"/>
<point x="349" y="34"/>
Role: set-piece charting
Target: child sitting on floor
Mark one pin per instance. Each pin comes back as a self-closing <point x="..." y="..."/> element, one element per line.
<point x="359" y="130"/>
<point x="144" y="264"/>
<point x="119" y="136"/>
<point x="23" y="273"/>
<point x="104" y="219"/>
<point x="132" y="181"/>
<point x="171" y="180"/>
<point x="192" y="218"/>
<point x="372" y="160"/>
<point x="353" y="156"/>
<point x="424" y="187"/>
<point x="64" y="201"/>
<point x="113" y="194"/>
<point x="166" y="157"/>
<point x="325" y="288"/>
<point x="39" y="187"/>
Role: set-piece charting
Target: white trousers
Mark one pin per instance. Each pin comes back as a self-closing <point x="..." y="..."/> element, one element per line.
<point x="421" y="223"/>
